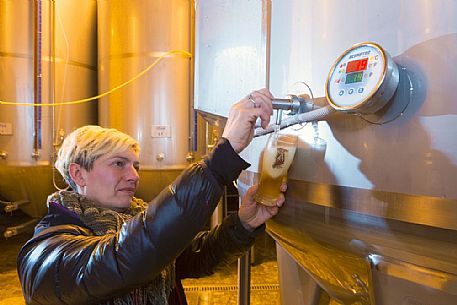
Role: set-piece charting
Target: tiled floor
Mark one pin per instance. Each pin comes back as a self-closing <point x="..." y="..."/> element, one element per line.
<point x="220" y="288"/>
<point x="10" y="291"/>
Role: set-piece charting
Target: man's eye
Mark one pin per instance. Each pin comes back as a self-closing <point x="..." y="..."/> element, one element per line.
<point x="119" y="163"/>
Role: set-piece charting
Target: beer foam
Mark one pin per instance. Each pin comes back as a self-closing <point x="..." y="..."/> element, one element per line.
<point x="270" y="162"/>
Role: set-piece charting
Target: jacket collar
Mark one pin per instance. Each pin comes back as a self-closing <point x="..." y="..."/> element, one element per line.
<point x="58" y="215"/>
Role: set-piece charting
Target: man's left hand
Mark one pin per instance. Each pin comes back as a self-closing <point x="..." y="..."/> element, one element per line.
<point x="253" y="214"/>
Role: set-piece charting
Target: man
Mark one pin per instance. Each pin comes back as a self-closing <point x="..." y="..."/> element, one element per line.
<point x="99" y="244"/>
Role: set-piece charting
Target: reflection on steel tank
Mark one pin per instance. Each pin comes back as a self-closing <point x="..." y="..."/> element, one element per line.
<point x="155" y="109"/>
<point x="371" y="212"/>
<point x="47" y="56"/>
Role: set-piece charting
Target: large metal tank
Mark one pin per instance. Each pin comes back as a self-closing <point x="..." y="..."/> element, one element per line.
<point x="68" y="72"/>
<point x="156" y="108"/>
<point x="370" y="213"/>
<point x="372" y="217"/>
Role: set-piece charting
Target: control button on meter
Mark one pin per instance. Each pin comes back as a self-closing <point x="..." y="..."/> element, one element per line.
<point x="350" y="91"/>
<point x="341" y="93"/>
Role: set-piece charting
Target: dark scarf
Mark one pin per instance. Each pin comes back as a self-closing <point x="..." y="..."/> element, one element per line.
<point x="105" y="221"/>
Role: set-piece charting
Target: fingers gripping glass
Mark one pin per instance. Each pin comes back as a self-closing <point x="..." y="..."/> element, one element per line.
<point x="276" y="160"/>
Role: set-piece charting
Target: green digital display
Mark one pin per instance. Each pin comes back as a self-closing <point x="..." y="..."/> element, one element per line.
<point x="354" y="77"/>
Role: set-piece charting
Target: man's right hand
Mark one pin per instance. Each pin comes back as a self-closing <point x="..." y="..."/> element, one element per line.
<point x="239" y="129"/>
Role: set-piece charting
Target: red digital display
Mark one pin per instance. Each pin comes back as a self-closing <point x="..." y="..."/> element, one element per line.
<point x="357" y="65"/>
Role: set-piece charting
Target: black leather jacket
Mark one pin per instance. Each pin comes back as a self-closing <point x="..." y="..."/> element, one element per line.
<point x="65" y="263"/>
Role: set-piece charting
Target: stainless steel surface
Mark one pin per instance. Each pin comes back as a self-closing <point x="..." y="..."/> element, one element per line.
<point x="232" y="47"/>
<point x="154" y="109"/>
<point x="396" y="282"/>
<point x="71" y="81"/>
<point x="424" y="210"/>
<point x="414" y="154"/>
<point x="244" y="279"/>
<point x="347" y="251"/>
<point x="297" y="121"/>
<point x="153" y="181"/>
<point x="68" y="73"/>
<point x="437" y="280"/>
<point x="363" y="185"/>
<point x="293" y="103"/>
<point x="284" y="104"/>
<point x="387" y="88"/>
<point x="32" y="183"/>
<point x="429" y="218"/>
<point x="354" y="147"/>
<point x="291" y="275"/>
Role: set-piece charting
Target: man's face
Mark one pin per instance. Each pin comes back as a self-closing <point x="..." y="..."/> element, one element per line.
<point x="113" y="180"/>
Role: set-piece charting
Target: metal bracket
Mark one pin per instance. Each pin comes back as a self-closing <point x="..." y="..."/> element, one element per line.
<point x="13" y="231"/>
<point x="13" y="206"/>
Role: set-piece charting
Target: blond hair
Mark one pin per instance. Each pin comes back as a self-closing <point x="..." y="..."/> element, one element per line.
<point x="88" y="143"/>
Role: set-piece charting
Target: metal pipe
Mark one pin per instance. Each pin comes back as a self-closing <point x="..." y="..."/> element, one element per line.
<point x="292" y="103"/>
<point x="314" y="115"/>
<point x="58" y="134"/>
<point x="13" y="206"/>
<point x="37" y="22"/>
<point x="13" y="231"/>
<point x="266" y="28"/>
<point x="244" y="279"/>
<point x="55" y="133"/>
<point x="192" y="148"/>
<point x="244" y="263"/>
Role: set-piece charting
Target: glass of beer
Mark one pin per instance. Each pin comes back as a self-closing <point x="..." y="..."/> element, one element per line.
<point x="277" y="157"/>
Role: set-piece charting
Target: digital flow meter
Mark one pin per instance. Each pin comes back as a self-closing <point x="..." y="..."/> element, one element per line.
<point x="362" y="80"/>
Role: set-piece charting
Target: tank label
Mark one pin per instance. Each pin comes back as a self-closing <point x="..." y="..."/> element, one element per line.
<point x="161" y="131"/>
<point x="6" y="129"/>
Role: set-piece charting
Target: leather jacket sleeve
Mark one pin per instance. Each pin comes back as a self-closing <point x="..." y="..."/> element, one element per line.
<point x="67" y="264"/>
<point x="213" y="249"/>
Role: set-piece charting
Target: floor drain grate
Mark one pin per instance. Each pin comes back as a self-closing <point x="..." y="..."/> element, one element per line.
<point x="229" y="288"/>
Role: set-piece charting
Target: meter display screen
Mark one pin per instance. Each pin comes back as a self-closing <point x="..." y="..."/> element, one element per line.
<point x="354" y="77"/>
<point x="356" y="65"/>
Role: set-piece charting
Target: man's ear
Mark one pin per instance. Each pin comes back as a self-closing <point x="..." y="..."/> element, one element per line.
<point x="77" y="174"/>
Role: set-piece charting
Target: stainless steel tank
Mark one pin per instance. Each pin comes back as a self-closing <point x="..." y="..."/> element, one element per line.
<point x="371" y="208"/>
<point x="156" y="108"/>
<point x="67" y="43"/>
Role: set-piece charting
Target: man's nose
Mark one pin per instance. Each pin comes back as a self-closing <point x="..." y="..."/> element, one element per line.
<point x="132" y="174"/>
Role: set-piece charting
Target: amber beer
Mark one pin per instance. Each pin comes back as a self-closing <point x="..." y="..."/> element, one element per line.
<point x="277" y="157"/>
